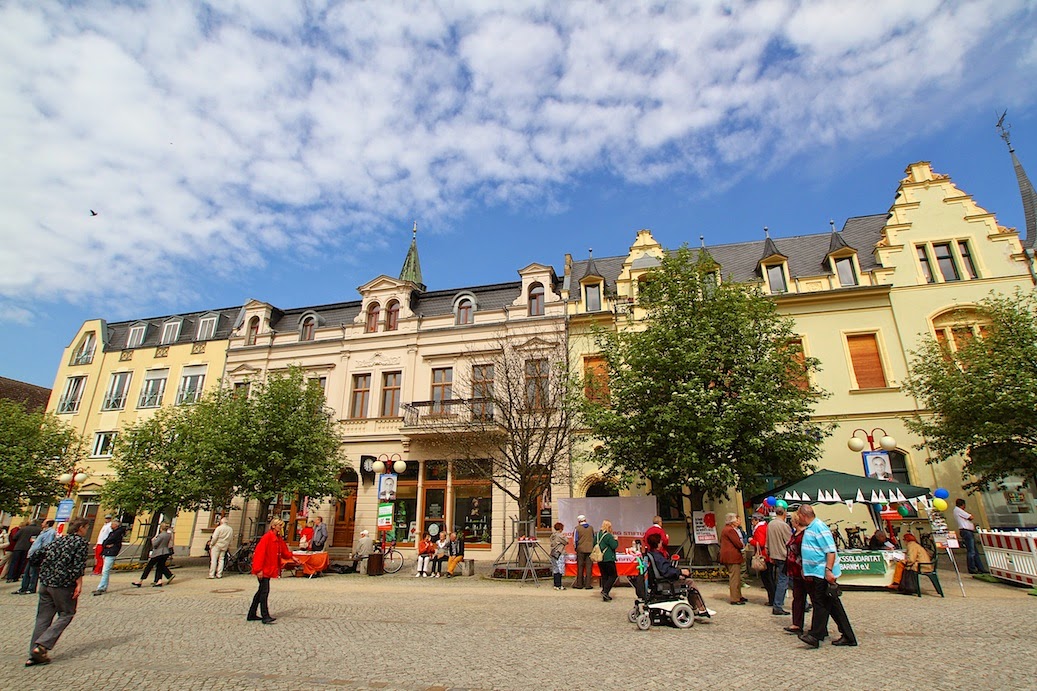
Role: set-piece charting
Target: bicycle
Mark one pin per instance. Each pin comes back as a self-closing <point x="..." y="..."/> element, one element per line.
<point x="392" y="559"/>
<point x="840" y="542"/>
<point x="854" y="539"/>
<point x="242" y="558"/>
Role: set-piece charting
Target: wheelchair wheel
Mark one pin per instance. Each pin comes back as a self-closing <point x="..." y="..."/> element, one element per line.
<point x="682" y="616"/>
<point x="644" y="621"/>
<point x="633" y="615"/>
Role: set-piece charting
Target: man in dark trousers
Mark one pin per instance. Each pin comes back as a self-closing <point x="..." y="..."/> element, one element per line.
<point x="26" y="536"/>
<point x="109" y="551"/>
<point x="583" y="541"/>
<point x="61" y="582"/>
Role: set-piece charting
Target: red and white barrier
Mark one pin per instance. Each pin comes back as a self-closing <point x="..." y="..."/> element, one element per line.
<point x="1011" y="556"/>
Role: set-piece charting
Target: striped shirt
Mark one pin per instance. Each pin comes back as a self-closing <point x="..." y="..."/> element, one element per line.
<point x="817" y="542"/>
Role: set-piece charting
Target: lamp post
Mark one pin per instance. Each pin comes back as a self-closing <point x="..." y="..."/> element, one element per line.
<point x="76" y="477"/>
<point x="386" y="461"/>
<point x="886" y="442"/>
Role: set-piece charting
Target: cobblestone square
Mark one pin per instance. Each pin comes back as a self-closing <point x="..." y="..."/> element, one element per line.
<point x="398" y="632"/>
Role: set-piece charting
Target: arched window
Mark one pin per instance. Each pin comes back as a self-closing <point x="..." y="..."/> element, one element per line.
<point x="465" y="311"/>
<point x="309" y="324"/>
<point x="392" y="316"/>
<point x="955" y="327"/>
<point x="253" y="331"/>
<point x="536" y="300"/>
<point x="374" y="311"/>
<point x="602" y="489"/>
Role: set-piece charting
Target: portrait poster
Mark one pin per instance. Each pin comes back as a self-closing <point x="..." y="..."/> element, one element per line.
<point x="876" y="465"/>
<point x="387" y="487"/>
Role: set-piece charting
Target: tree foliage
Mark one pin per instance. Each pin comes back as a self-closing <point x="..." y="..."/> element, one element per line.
<point x="516" y="433"/>
<point x="709" y="392"/>
<point x="981" y="396"/>
<point x="35" y="449"/>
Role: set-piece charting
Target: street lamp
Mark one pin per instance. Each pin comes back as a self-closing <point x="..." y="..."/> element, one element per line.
<point x="76" y="477"/>
<point x="386" y="460"/>
<point x="886" y="442"/>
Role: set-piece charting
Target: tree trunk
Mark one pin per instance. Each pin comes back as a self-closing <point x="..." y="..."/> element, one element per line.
<point x="700" y="555"/>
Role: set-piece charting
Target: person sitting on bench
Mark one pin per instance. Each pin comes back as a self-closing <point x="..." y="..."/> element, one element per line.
<point x="455" y="553"/>
<point x="363" y="549"/>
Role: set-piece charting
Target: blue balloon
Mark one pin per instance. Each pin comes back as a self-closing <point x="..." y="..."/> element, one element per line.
<point x="771" y="501"/>
<point x="941" y="493"/>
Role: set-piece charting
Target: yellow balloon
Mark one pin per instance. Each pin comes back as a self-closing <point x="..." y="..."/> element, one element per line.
<point x="939" y="504"/>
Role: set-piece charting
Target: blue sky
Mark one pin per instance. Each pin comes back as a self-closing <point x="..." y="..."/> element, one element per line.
<point x="281" y="151"/>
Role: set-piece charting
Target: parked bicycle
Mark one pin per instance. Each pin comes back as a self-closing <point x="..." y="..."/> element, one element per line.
<point x="840" y="541"/>
<point x="241" y="560"/>
<point x="392" y="559"/>
<point x="854" y="537"/>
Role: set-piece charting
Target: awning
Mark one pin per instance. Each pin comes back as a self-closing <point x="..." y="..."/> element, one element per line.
<point x="831" y="487"/>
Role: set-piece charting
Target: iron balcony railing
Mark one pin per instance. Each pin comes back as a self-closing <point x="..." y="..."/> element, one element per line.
<point x="69" y="404"/>
<point x="150" y="400"/>
<point x="449" y="413"/>
<point x="84" y="358"/>
<point x="114" y="402"/>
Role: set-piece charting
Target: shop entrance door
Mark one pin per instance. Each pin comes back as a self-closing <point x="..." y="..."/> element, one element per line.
<point x="434" y="519"/>
<point x="345" y="511"/>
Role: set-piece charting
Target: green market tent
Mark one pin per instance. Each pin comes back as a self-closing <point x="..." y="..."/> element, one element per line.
<point x="831" y="487"/>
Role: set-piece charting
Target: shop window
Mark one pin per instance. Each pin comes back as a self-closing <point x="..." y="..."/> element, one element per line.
<point x="433" y="521"/>
<point x="473" y="512"/>
<point x="866" y="361"/>
<point x="405" y="516"/>
<point x="435" y="470"/>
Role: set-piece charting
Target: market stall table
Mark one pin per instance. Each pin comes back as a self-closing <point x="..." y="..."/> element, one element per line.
<point x="626" y="565"/>
<point x="312" y="562"/>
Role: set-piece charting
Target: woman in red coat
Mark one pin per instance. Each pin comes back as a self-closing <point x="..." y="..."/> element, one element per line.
<point x="266" y="564"/>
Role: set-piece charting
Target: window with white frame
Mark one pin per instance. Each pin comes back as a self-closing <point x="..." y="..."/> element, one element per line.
<point x="592" y="292"/>
<point x="206" y="329"/>
<point x="309" y="325"/>
<point x="104" y="442"/>
<point x="73" y="393"/>
<point x="191" y="382"/>
<point x="776" y="279"/>
<point x="465" y="311"/>
<point x="118" y="388"/>
<point x="847" y="274"/>
<point x="136" y="336"/>
<point x="84" y="354"/>
<point x="170" y="332"/>
<point x="153" y="389"/>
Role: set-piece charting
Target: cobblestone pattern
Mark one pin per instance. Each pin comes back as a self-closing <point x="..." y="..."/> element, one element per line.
<point x="398" y="632"/>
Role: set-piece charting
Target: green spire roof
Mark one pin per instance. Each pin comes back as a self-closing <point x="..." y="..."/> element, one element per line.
<point x="411" y="270"/>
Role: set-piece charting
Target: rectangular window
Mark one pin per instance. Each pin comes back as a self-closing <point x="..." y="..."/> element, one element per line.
<point x="966" y="258"/>
<point x="361" y="395"/>
<point x="154" y="387"/>
<point x="847" y="274"/>
<point x="170" y="332"/>
<point x="595" y="379"/>
<point x="442" y="390"/>
<point x="923" y="261"/>
<point x="103" y="443"/>
<point x="84" y="354"/>
<point x="118" y="388"/>
<point x="69" y="401"/>
<point x="473" y="510"/>
<point x="799" y="375"/>
<point x="191" y="382"/>
<point x="482" y="391"/>
<point x="391" y="382"/>
<point x="242" y="389"/>
<point x="536" y="383"/>
<point x="206" y="329"/>
<point x="866" y="361"/>
<point x="593" y="301"/>
<point x="945" y="261"/>
<point x="776" y="277"/>
<point x="136" y="336"/>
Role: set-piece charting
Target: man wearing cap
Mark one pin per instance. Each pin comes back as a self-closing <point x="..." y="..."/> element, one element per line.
<point x="583" y="542"/>
<point x="106" y="530"/>
<point x="363" y="549"/>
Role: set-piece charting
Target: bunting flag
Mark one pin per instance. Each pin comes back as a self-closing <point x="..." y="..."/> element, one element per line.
<point x="804" y="497"/>
<point x="900" y="495"/>
<point x="795" y="496"/>
<point x="849" y="504"/>
<point x="914" y="503"/>
<point x="882" y="497"/>
<point x="874" y="497"/>
<point x="789" y="495"/>
<point x="822" y="496"/>
<point x="860" y="497"/>
<point x="835" y="496"/>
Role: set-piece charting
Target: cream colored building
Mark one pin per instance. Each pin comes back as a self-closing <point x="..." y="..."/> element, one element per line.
<point x="863" y="298"/>
<point x="113" y="374"/>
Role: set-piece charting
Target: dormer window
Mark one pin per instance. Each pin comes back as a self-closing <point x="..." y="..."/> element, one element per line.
<point x="374" y="312"/>
<point x="253" y="331"/>
<point x="136" y="336"/>
<point x="206" y="328"/>
<point x="84" y="354"/>
<point x="309" y="325"/>
<point x="392" y="316"/>
<point x="536" y="300"/>
<point x="170" y="332"/>
<point x="465" y="311"/>
<point x="592" y="297"/>
<point x="776" y="279"/>
<point x="845" y="271"/>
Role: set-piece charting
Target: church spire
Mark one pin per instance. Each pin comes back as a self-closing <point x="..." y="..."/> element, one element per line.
<point x="1026" y="190"/>
<point x="411" y="270"/>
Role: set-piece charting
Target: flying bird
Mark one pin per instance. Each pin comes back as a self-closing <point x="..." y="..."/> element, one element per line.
<point x="92" y="212"/>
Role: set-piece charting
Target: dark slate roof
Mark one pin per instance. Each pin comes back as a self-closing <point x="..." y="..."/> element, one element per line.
<point x="738" y="261"/>
<point x="837" y="243"/>
<point x="489" y="297"/>
<point x="606" y="267"/>
<point x="334" y="314"/>
<point x="119" y="332"/>
<point x="34" y="397"/>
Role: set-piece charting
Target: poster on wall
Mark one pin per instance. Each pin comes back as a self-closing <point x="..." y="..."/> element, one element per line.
<point x="385" y="517"/>
<point x="705" y="526"/>
<point x="876" y="465"/>
<point x="387" y="487"/>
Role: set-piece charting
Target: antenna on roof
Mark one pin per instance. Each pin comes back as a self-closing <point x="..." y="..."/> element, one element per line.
<point x="1004" y="131"/>
<point x="831" y="222"/>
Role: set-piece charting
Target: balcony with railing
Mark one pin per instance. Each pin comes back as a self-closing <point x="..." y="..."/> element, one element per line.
<point x="84" y="357"/>
<point x="114" y="402"/>
<point x="69" y="404"/>
<point x="452" y="415"/>
<point x="188" y="396"/>
<point x="150" y="400"/>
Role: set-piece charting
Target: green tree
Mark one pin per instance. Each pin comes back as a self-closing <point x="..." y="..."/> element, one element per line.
<point x="981" y="396"/>
<point x="709" y="392"/>
<point x="283" y="440"/>
<point x="35" y="449"/>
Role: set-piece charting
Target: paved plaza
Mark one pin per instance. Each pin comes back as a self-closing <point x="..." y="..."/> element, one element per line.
<point x="398" y="632"/>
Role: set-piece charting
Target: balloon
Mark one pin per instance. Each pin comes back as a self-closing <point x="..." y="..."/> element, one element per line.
<point x="941" y="494"/>
<point x="782" y="504"/>
<point x="939" y="504"/>
<point x="902" y="510"/>
<point x="771" y="501"/>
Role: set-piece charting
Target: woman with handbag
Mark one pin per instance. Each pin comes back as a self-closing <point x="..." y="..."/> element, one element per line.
<point x="161" y="551"/>
<point x="794" y="570"/>
<point x="608" y="544"/>
<point x="558" y="543"/>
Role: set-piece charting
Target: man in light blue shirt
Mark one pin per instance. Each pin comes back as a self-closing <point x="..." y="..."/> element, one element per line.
<point x="820" y="569"/>
<point x="32" y="573"/>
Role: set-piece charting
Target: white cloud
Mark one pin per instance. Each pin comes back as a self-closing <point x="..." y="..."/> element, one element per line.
<point x="210" y="138"/>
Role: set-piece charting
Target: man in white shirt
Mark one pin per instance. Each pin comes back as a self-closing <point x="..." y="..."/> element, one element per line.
<point x="967" y="531"/>
<point x="219" y="544"/>
<point x="106" y="530"/>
